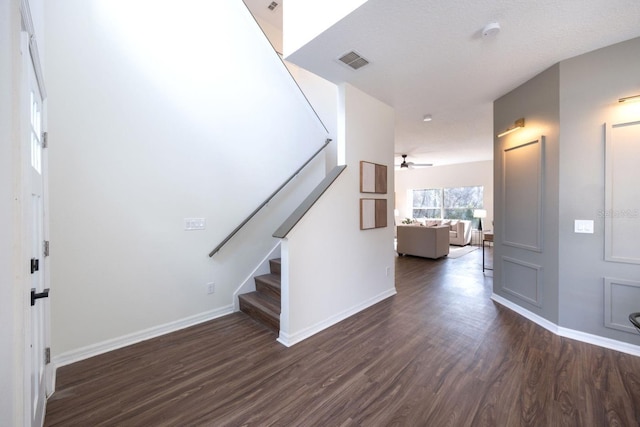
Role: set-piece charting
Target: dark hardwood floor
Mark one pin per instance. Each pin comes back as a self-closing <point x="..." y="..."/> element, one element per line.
<point x="439" y="353"/>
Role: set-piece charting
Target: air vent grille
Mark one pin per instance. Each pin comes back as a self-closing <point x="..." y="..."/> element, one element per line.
<point x="353" y="60"/>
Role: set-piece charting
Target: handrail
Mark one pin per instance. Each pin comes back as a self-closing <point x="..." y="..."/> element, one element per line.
<point x="304" y="207"/>
<point x="263" y="204"/>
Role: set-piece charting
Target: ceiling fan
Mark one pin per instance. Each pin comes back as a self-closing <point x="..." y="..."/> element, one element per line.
<point x="411" y="165"/>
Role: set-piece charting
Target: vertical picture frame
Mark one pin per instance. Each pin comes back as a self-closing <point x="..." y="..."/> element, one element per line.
<point x="373" y="213"/>
<point x="373" y="178"/>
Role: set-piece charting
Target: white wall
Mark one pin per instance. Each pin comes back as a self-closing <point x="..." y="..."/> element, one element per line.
<point x="331" y="268"/>
<point x="460" y="175"/>
<point x="157" y="117"/>
<point x="321" y="93"/>
<point x="323" y="96"/>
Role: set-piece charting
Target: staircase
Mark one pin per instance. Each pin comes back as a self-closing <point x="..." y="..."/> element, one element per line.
<point x="263" y="305"/>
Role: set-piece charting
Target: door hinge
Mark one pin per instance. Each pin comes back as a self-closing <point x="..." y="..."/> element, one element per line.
<point x="35" y="265"/>
<point x="47" y="355"/>
<point x="35" y="296"/>
<point x="45" y="139"/>
<point x="45" y="248"/>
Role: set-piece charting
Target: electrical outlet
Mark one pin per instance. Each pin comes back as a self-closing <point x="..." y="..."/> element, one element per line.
<point x="211" y="288"/>
<point x="388" y="270"/>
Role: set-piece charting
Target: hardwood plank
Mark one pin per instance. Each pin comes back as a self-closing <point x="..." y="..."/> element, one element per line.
<point x="438" y="353"/>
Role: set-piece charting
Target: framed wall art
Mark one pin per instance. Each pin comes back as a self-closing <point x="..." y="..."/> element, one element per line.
<point x="373" y="178"/>
<point x="373" y="213"/>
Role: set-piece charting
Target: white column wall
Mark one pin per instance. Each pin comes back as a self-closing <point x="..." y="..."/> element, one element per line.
<point x="331" y="268"/>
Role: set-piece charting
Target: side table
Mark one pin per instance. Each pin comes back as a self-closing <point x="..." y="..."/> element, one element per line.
<point x="486" y="237"/>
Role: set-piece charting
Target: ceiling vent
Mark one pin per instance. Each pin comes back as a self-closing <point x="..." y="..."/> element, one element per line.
<point x="353" y="60"/>
<point x="273" y="6"/>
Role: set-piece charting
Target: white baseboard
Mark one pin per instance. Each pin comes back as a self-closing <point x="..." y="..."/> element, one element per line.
<point x="621" y="346"/>
<point x="136" y="337"/>
<point x="550" y="326"/>
<point x="609" y="343"/>
<point x="291" y="339"/>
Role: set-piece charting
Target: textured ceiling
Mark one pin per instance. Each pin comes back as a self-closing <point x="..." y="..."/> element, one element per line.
<point x="429" y="57"/>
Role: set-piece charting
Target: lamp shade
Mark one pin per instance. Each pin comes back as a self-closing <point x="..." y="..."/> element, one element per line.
<point x="479" y="213"/>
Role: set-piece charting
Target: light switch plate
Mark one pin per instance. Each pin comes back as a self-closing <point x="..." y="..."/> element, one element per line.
<point x="583" y="226"/>
<point x="194" y="224"/>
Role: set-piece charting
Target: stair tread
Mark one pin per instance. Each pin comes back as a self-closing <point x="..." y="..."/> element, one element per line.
<point x="271" y="279"/>
<point x="261" y="308"/>
<point x="269" y="285"/>
<point x="262" y="302"/>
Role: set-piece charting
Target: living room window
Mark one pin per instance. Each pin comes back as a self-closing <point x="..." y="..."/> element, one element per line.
<point x="449" y="203"/>
<point x="427" y="203"/>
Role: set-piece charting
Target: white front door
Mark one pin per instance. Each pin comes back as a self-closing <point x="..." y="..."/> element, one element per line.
<point x="37" y="319"/>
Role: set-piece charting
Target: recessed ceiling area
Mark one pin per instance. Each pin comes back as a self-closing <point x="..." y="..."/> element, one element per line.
<point x="263" y="9"/>
<point x="430" y="57"/>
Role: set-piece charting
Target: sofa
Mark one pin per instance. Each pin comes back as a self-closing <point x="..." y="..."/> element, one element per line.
<point x="427" y="242"/>
<point x="459" y="229"/>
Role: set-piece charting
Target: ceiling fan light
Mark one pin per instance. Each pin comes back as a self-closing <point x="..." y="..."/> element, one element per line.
<point x="404" y="163"/>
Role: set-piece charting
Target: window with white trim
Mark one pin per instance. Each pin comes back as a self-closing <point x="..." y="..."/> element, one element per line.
<point x="448" y="203"/>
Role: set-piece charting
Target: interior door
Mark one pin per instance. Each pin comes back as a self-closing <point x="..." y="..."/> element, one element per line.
<point x="37" y="330"/>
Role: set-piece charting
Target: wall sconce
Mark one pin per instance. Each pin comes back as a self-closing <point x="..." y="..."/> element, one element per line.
<point x="479" y="213"/>
<point x="630" y="98"/>
<point x="516" y="125"/>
